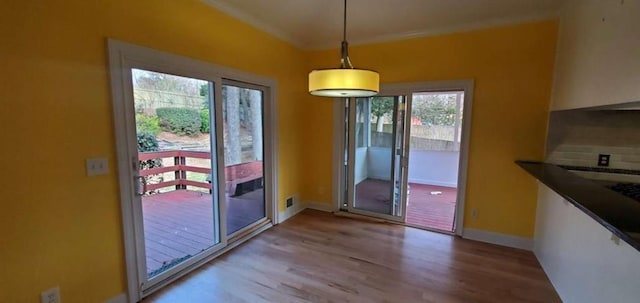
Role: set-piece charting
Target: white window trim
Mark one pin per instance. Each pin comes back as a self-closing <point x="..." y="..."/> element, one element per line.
<point x="121" y="55"/>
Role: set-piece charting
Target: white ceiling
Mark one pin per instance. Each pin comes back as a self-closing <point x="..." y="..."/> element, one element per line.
<point x="317" y="24"/>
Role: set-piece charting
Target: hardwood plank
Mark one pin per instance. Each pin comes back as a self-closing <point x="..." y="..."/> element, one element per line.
<point x="318" y="257"/>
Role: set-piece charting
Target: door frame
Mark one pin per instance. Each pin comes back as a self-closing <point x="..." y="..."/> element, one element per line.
<point x="407" y="89"/>
<point x="124" y="56"/>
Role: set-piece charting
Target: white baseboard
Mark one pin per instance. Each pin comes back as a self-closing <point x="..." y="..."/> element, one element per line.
<point x="419" y="181"/>
<point x="319" y="206"/>
<point x="433" y="182"/>
<point x="498" y="238"/>
<point x="298" y="207"/>
<point x="290" y="212"/>
<point x="468" y="233"/>
<point x="121" y="298"/>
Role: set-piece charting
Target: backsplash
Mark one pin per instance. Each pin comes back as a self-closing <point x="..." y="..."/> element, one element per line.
<point x="578" y="137"/>
<point x="627" y="158"/>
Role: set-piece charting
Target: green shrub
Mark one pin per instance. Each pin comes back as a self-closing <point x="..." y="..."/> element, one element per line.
<point x="147" y="142"/>
<point x="180" y="121"/>
<point x="148" y="124"/>
<point x="204" y="116"/>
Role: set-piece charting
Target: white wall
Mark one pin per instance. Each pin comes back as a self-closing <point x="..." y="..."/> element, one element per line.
<point x="434" y="167"/>
<point x="361" y="165"/>
<point x="579" y="257"/>
<point x="425" y="167"/>
<point x="597" y="58"/>
<point x="379" y="163"/>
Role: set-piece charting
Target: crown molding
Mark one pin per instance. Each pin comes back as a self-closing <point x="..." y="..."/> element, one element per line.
<point x="467" y="27"/>
<point x="251" y="20"/>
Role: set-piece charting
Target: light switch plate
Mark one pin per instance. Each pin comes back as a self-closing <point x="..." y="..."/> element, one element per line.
<point x="97" y="166"/>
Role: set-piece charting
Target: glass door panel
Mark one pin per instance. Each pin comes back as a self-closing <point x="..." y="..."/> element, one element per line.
<point x="376" y="156"/>
<point x="242" y="110"/>
<point x="436" y="133"/>
<point x="175" y="137"/>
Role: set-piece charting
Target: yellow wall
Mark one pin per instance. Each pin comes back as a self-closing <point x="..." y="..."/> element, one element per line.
<point x="512" y="68"/>
<point x="57" y="226"/>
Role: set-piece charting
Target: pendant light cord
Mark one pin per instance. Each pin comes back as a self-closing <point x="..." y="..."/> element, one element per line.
<point x="344" y="22"/>
<point x="345" y="62"/>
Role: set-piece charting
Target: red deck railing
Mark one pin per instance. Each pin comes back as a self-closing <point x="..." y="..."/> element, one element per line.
<point x="180" y="168"/>
<point x="234" y="174"/>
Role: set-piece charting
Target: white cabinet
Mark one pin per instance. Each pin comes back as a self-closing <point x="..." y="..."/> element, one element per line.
<point x="579" y="257"/>
<point x="598" y="56"/>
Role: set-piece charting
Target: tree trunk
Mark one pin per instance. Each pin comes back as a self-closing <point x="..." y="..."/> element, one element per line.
<point x="255" y="99"/>
<point x="233" y="152"/>
<point x="379" y="124"/>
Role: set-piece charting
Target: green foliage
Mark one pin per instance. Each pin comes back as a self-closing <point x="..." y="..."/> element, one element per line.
<point x="147" y="142"/>
<point x="381" y="106"/>
<point x="204" y="90"/>
<point x="204" y="116"/>
<point x="148" y="124"/>
<point x="435" y="110"/>
<point x="204" y="93"/>
<point x="180" y="121"/>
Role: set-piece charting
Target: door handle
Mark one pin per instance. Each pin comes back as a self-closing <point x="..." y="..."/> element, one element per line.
<point x="140" y="184"/>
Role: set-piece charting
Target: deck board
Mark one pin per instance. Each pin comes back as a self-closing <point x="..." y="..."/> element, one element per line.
<point x="423" y="208"/>
<point x="181" y="222"/>
<point x="433" y="211"/>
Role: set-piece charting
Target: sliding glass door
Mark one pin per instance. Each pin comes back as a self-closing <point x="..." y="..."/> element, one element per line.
<point x="196" y="161"/>
<point x="402" y="156"/>
<point x="377" y="157"/>
<point x="191" y="200"/>
<point x="178" y="210"/>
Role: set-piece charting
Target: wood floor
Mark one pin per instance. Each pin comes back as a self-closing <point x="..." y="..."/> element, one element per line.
<point x="318" y="257"/>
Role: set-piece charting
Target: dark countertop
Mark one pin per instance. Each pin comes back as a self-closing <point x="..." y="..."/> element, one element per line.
<point x="617" y="213"/>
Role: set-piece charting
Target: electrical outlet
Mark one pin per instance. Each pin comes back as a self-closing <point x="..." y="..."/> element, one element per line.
<point x="51" y="295"/>
<point x="474" y="212"/>
<point x="97" y="166"/>
<point x="603" y="160"/>
<point x="289" y="202"/>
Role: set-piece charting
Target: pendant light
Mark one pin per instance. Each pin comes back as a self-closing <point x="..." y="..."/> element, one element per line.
<point x="345" y="81"/>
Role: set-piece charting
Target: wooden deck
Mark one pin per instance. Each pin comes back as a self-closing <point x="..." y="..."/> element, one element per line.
<point x="429" y="209"/>
<point x="180" y="223"/>
<point x="424" y="208"/>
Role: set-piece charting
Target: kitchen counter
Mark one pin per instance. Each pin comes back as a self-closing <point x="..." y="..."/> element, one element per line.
<point x="617" y="213"/>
